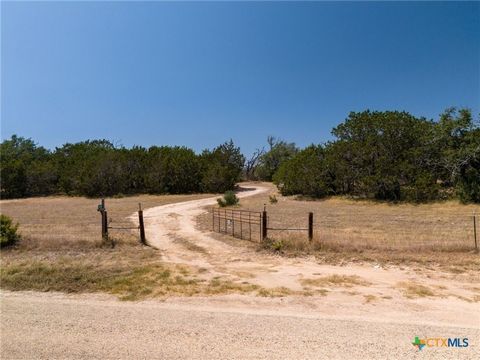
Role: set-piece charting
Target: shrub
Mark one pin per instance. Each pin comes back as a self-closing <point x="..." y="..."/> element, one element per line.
<point x="229" y="199"/>
<point x="273" y="199"/>
<point x="8" y="231"/>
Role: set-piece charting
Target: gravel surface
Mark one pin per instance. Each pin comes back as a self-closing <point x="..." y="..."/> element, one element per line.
<point x="41" y="326"/>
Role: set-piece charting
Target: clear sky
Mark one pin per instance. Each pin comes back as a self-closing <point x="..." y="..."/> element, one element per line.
<point x="197" y="74"/>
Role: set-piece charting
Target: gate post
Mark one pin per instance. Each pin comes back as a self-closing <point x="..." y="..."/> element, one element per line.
<point x="141" y="225"/>
<point x="105" y="225"/>
<point x="264" y="223"/>
<point x="310" y="226"/>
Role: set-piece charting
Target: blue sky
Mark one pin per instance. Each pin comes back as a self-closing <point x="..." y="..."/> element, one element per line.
<point x="197" y="74"/>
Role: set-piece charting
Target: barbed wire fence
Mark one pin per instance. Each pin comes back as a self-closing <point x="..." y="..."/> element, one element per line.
<point x="382" y="231"/>
<point x="404" y="231"/>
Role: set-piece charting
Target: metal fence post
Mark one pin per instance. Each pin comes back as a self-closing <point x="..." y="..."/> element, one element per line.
<point x="310" y="226"/>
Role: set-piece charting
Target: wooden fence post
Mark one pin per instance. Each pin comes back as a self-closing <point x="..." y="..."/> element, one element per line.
<point x="102" y="222"/>
<point x="143" y="240"/>
<point x="310" y="226"/>
<point x="105" y="225"/>
<point x="264" y="223"/>
<point x="101" y="209"/>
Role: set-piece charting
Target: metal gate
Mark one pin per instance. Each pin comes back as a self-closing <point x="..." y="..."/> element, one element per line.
<point x="242" y="224"/>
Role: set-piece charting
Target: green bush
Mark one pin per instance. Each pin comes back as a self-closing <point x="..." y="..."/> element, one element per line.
<point x="229" y="199"/>
<point x="8" y="231"/>
<point x="306" y="173"/>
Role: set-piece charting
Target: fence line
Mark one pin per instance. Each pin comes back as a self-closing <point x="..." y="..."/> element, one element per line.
<point x="438" y="231"/>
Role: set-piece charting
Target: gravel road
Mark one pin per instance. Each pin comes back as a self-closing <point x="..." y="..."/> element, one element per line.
<point x="46" y="326"/>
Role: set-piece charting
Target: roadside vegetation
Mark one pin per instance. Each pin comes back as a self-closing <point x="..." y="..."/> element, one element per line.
<point x="8" y="231"/>
<point x="228" y="199"/>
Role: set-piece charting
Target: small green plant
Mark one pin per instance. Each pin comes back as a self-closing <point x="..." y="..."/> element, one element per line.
<point x="8" y="231"/>
<point x="277" y="245"/>
<point x="229" y="199"/>
<point x="273" y="199"/>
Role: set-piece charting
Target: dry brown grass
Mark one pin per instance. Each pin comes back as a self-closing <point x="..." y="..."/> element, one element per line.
<point x="128" y="274"/>
<point x="335" y="280"/>
<point x="369" y="298"/>
<point x="61" y="250"/>
<point x="61" y="222"/>
<point x="341" y="223"/>
<point x="347" y="230"/>
<point x="413" y="290"/>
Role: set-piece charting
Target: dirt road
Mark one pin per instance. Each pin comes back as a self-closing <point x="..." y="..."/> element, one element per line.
<point x="53" y="326"/>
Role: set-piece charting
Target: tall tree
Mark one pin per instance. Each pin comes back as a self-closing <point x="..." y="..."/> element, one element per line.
<point x="221" y="168"/>
<point x="278" y="152"/>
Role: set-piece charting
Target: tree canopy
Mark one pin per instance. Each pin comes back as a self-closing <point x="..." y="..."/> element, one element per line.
<point x="98" y="168"/>
<point x="393" y="156"/>
<point x="384" y="155"/>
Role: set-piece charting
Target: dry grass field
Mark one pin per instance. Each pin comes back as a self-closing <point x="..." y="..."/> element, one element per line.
<point x="60" y="222"/>
<point x="348" y="229"/>
<point x="61" y="250"/>
<point x="346" y="223"/>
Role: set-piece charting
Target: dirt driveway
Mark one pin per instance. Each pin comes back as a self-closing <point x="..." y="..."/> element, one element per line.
<point x="366" y="291"/>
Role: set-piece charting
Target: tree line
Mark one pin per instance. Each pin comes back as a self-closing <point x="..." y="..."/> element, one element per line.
<point x="384" y="155"/>
<point x="387" y="155"/>
<point x="98" y="168"/>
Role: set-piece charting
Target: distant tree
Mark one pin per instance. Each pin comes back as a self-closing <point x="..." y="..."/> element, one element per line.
<point x="25" y="169"/>
<point x="305" y="173"/>
<point x="251" y="164"/>
<point x="89" y="168"/>
<point x="221" y="168"/>
<point x="172" y="170"/>
<point x="381" y="152"/>
<point x="269" y="162"/>
<point x="457" y="139"/>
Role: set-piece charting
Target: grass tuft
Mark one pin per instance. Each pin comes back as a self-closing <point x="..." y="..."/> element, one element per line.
<point x="414" y="290"/>
<point x="335" y="280"/>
